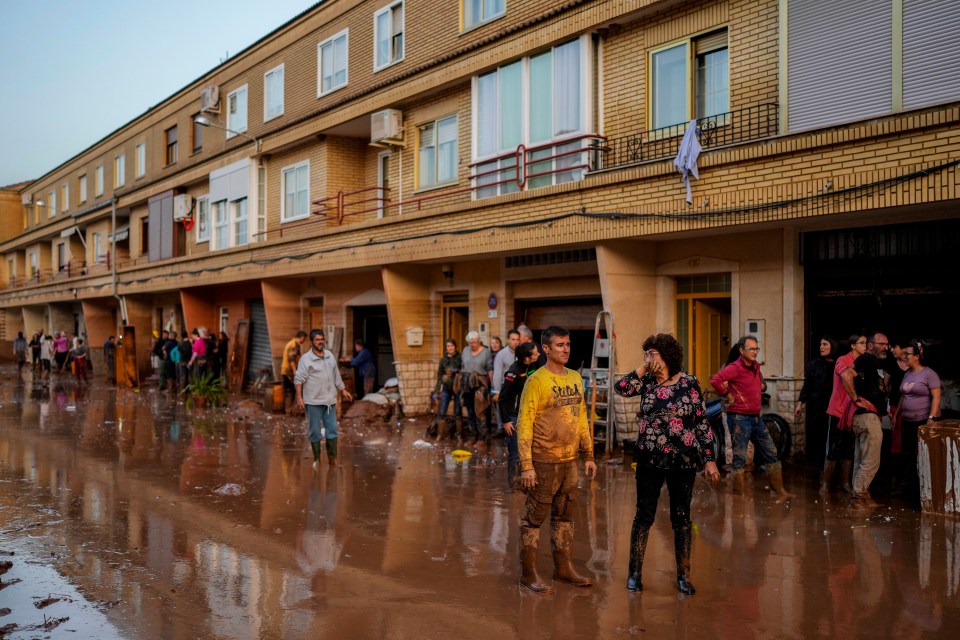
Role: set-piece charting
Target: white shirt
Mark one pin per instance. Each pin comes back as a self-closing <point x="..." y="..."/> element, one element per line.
<point x="505" y="358"/>
<point x="320" y="377"/>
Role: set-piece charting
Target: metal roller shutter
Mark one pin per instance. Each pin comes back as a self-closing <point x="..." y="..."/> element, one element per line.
<point x="166" y="228"/>
<point x="153" y="229"/>
<point x="260" y="356"/>
<point x="931" y="55"/>
<point x="839" y="61"/>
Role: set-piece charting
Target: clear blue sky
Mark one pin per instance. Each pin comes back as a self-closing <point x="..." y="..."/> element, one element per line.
<point x="73" y="71"/>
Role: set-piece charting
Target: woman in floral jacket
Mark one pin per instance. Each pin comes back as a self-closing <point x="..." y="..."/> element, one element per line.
<point x="674" y="443"/>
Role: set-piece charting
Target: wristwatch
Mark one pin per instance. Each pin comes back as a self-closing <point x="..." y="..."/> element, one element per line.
<point x="934" y="418"/>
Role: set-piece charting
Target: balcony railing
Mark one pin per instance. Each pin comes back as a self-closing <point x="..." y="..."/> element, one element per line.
<point x="751" y="123"/>
<point x="72" y="269"/>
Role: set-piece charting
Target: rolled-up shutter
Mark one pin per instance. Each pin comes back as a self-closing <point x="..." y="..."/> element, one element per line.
<point x="153" y="229"/>
<point x="166" y="227"/>
<point x="931" y="52"/>
<point x="260" y="356"/>
<point x="839" y="61"/>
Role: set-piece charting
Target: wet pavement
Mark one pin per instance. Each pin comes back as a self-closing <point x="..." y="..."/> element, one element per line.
<point x="124" y="514"/>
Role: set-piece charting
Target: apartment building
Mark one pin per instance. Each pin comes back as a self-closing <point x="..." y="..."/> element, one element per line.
<point x="407" y="171"/>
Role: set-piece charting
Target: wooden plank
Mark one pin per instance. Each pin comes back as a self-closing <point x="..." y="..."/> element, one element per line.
<point x="127" y="372"/>
<point x="238" y="359"/>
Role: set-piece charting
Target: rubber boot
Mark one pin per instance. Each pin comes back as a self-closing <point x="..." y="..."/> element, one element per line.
<point x="638" y="547"/>
<point x="332" y="451"/>
<point x="561" y="539"/>
<point x="775" y="472"/>
<point x="846" y="475"/>
<point x="682" y="540"/>
<point x="828" y="469"/>
<point x="315" y="447"/>
<point x="737" y="476"/>
<point x="529" y="539"/>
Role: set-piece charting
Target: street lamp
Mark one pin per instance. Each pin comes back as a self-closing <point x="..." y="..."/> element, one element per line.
<point x="204" y="121"/>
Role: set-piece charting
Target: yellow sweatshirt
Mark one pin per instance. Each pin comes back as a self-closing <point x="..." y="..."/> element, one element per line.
<point x="552" y="426"/>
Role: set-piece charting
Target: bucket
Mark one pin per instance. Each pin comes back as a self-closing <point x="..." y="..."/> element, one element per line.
<point x="278" y="397"/>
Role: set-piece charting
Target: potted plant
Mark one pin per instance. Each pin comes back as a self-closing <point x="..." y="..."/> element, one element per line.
<point x="206" y="389"/>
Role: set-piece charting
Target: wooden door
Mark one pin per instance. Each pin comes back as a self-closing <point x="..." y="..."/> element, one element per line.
<point x="711" y="336"/>
<point x="314" y="315"/>
<point x="238" y="359"/>
<point x="456" y="319"/>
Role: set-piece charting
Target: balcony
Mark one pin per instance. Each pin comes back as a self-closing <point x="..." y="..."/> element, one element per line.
<point x="72" y="269"/>
<point x="734" y="127"/>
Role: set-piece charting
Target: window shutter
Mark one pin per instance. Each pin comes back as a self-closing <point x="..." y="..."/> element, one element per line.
<point x="710" y="42"/>
<point x="397" y="17"/>
<point x="833" y="77"/>
<point x="165" y="229"/>
<point x="931" y="57"/>
<point x="153" y="229"/>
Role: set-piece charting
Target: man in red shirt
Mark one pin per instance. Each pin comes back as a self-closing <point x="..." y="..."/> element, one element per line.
<point x="741" y="382"/>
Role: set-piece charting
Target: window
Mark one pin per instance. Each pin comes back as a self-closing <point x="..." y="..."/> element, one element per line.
<point x="83" y="188"/>
<point x="239" y="214"/>
<point x="144" y="236"/>
<point x="65" y="196"/>
<point x="99" y="180"/>
<point x="558" y="108"/>
<point x="237" y="111"/>
<point x="52" y="204"/>
<point x="478" y="11"/>
<point x="197" y="134"/>
<point x="171" y="149"/>
<point x="97" y="248"/>
<point x="119" y="171"/>
<point x="273" y="93"/>
<point x="141" y="159"/>
<point x="332" y="63"/>
<point x="261" y="204"/>
<point x="33" y="264"/>
<point x="388" y="35"/>
<point x="203" y="219"/>
<point x="437" y="152"/>
<point x="220" y="223"/>
<point x="670" y="80"/>
<point x="61" y="256"/>
<point x="224" y="318"/>
<point x="296" y="192"/>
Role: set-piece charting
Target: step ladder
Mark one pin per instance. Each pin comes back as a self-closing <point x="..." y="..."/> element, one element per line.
<point x="602" y="415"/>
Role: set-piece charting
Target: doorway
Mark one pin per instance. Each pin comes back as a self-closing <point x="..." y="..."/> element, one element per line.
<point x="371" y="325"/>
<point x="576" y="315"/>
<point x="314" y="314"/>
<point x="456" y="318"/>
<point x="704" y="324"/>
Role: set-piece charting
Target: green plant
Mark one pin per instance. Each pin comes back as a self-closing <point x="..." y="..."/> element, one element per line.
<point x="208" y="387"/>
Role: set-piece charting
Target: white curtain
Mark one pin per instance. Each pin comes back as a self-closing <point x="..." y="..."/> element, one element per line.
<point x="567" y="96"/>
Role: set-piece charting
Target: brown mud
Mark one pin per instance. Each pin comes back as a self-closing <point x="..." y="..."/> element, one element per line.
<point x="125" y="515"/>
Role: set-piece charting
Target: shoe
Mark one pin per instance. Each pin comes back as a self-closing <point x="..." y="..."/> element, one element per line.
<point x="529" y="540"/>
<point x="561" y="539"/>
<point x="775" y="473"/>
<point x="846" y="475"/>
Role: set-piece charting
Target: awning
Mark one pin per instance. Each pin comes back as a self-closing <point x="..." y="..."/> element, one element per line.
<point x="122" y="234"/>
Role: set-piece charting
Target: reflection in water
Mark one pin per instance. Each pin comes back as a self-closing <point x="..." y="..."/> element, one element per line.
<point x="126" y="489"/>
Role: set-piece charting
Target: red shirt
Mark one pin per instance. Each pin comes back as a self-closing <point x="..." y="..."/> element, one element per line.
<point x="839" y="399"/>
<point x="745" y="382"/>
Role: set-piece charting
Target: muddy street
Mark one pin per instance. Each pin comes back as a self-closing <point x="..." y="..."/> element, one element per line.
<point x="126" y="515"/>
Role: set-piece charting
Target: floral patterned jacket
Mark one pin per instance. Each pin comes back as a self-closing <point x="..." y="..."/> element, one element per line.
<point x="674" y="432"/>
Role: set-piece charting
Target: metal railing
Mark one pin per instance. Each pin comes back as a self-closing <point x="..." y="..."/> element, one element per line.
<point x="733" y="127"/>
<point x="72" y="269"/>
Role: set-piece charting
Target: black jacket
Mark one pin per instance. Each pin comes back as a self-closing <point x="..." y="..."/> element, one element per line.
<point x="512" y="388"/>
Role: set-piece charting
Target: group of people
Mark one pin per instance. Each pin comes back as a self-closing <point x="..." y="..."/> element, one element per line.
<point x="179" y="361"/>
<point x="53" y="353"/>
<point x="849" y="395"/>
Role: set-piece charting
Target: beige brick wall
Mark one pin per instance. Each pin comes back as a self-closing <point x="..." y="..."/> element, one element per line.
<point x="417" y="380"/>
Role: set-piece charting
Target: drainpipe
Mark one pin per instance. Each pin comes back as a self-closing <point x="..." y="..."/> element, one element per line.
<point x="113" y="259"/>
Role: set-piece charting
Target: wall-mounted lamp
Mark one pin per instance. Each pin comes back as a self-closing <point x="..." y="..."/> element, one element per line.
<point x="447" y="271"/>
<point x="204" y="121"/>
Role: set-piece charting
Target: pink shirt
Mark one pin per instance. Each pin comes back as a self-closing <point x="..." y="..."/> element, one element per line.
<point x="200" y="348"/>
<point x="744" y="382"/>
<point x="62" y="344"/>
<point x="839" y="399"/>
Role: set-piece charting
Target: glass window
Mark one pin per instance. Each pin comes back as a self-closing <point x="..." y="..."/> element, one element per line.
<point x="99" y="180"/>
<point x="119" y="171"/>
<point x="388" y="35"/>
<point x="97" y="248"/>
<point x="273" y="89"/>
<point x="197" y="134"/>
<point x="239" y="221"/>
<point x="171" y="139"/>
<point x="700" y="64"/>
<point x="203" y="219"/>
<point x="65" y="196"/>
<point x="437" y="154"/>
<point x="296" y="192"/>
<point x="83" y="188"/>
<point x="141" y="159"/>
<point x="237" y="111"/>
<point x="477" y="11"/>
<point x="713" y="92"/>
<point x="669" y="85"/>
<point x="221" y="225"/>
<point x="332" y="63"/>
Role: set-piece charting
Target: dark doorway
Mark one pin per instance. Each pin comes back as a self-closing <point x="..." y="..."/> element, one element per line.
<point x="371" y="325"/>
<point x="576" y="315"/>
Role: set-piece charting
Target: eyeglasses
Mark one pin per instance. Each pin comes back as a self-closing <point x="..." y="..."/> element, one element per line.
<point x="861" y="342"/>
<point x="909" y="353"/>
<point x="750" y="348"/>
<point x="652" y="353"/>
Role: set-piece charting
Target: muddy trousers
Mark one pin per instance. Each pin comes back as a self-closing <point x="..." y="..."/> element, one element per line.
<point x="866" y="458"/>
<point x="650" y="481"/>
<point x="552" y="495"/>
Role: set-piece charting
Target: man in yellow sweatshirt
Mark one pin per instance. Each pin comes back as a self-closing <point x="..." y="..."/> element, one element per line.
<point x="551" y="431"/>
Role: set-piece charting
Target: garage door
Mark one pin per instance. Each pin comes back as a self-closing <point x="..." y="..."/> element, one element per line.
<point x="260" y="355"/>
<point x="570" y="314"/>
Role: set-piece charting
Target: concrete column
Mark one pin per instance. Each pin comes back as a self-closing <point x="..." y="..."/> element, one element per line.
<point x="99" y="317"/>
<point x="629" y="285"/>
<point x="281" y="300"/>
<point x="34" y="318"/>
<point x="61" y="318"/>
<point x="407" y="288"/>
<point x="199" y="309"/>
<point x="140" y="316"/>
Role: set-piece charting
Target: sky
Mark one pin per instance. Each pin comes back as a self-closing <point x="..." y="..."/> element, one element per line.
<point x="71" y="72"/>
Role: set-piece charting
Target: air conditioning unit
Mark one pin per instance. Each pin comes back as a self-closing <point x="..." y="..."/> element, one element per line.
<point x="386" y="127"/>
<point x="182" y="206"/>
<point x="26" y="199"/>
<point x="210" y="100"/>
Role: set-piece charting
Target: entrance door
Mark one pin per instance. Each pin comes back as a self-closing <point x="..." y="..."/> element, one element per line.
<point x="456" y="318"/>
<point x="576" y="315"/>
<point x="315" y="314"/>
<point x="371" y="325"/>
<point x="711" y="336"/>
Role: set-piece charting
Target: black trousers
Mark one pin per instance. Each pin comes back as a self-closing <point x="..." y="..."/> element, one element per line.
<point x="680" y="485"/>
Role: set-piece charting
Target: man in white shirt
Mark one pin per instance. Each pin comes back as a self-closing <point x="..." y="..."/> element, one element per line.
<point x="318" y="384"/>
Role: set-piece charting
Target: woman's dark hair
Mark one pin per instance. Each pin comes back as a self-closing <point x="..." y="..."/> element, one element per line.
<point x="852" y="340"/>
<point x="670" y="350"/>
<point x="917" y="347"/>
<point x="525" y="350"/>
<point x="834" y="349"/>
<point x="450" y="341"/>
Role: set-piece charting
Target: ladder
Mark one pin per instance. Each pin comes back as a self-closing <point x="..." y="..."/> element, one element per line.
<point x="601" y="383"/>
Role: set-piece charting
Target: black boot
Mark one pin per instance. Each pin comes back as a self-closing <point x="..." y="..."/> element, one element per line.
<point x="682" y="540"/>
<point x="561" y="539"/>
<point x="332" y="451"/>
<point x="529" y="539"/>
<point x="315" y="447"/>
<point x="638" y="547"/>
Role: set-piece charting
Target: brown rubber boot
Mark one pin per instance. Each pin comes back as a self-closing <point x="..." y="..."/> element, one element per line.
<point x="529" y="539"/>
<point x="846" y="475"/>
<point x="828" y="469"/>
<point x="682" y="541"/>
<point x="775" y="472"/>
<point x="638" y="548"/>
<point x="737" y="477"/>
<point x="561" y="539"/>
